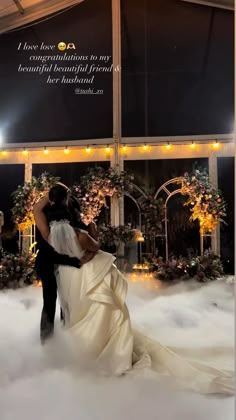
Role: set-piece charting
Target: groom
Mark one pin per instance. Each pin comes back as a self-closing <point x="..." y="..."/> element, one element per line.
<point x="47" y="258"/>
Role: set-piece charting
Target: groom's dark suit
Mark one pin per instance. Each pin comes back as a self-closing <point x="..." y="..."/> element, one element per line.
<point x="45" y="263"/>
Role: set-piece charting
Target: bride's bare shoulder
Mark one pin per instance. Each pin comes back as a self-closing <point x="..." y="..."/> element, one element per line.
<point x="86" y="241"/>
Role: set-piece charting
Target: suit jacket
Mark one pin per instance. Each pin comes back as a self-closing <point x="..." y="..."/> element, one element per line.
<point x="47" y="257"/>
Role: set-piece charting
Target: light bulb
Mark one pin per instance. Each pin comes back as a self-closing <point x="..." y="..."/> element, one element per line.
<point x="46" y="151"/>
<point x="88" y="149"/>
<point x="216" y="144"/>
<point x="145" y="147"/>
<point x="192" y="145"/>
<point x="124" y="148"/>
<point x="4" y="153"/>
<point x="168" y="146"/>
<point x="66" y="150"/>
<point x="108" y="149"/>
<point x="25" y="152"/>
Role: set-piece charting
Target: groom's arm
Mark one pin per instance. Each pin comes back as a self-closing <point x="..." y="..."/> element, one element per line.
<point x="60" y="259"/>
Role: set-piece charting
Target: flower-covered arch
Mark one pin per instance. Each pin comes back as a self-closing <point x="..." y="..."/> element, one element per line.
<point x="26" y="196"/>
<point x="95" y="186"/>
<point x="205" y="201"/>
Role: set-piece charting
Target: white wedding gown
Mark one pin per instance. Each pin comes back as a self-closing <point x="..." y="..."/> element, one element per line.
<point x="93" y="300"/>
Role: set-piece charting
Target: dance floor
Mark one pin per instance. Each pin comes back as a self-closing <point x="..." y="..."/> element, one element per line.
<point x="46" y="382"/>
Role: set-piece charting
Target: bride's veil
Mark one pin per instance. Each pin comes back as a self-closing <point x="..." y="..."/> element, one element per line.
<point x="63" y="238"/>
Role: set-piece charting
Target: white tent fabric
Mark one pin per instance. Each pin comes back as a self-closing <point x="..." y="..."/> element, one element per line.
<point x="17" y="13"/>
<point x="223" y="4"/>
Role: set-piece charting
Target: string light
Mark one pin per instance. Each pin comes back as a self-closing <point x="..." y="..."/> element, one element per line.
<point x="145" y="147"/>
<point x="66" y="150"/>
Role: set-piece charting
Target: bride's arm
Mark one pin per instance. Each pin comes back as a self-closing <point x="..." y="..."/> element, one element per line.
<point x="40" y="218"/>
<point x="88" y="244"/>
<point x="92" y="230"/>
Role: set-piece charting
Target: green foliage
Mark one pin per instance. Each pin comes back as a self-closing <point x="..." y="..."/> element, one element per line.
<point x="27" y="195"/>
<point x="204" y="268"/>
<point x="116" y="235"/>
<point x="153" y="213"/>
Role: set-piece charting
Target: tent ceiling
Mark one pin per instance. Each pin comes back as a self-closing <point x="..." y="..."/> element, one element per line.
<point x="16" y="13"/>
<point x="223" y="4"/>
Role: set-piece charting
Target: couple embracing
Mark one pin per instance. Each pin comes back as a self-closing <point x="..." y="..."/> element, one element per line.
<point x="92" y="294"/>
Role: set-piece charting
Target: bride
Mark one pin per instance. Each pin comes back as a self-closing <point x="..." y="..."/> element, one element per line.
<point x="93" y="301"/>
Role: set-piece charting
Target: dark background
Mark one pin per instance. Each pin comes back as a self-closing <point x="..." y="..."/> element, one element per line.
<point x="227" y="186"/>
<point x="177" y="73"/>
<point x="69" y="173"/>
<point x="10" y="177"/>
<point x="178" y="66"/>
<point x="183" y="235"/>
<point x="31" y="109"/>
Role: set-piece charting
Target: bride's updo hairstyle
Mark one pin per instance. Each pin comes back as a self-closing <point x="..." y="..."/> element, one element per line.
<point x="65" y="207"/>
<point x="58" y="194"/>
<point x="58" y="212"/>
<point x="74" y="209"/>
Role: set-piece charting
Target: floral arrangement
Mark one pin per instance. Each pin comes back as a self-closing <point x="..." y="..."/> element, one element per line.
<point x="95" y="186"/>
<point x="204" y="268"/>
<point x="27" y="195"/>
<point x="205" y="201"/>
<point x="16" y="270"/>
<point x="116" y="235"/>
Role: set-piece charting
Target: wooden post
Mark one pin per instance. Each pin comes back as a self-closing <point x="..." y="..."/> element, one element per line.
<point x="116" y="211"/>
<point x="117" y="204"/>
<point x="26" y="235"/>
<point x="213" y="174"/>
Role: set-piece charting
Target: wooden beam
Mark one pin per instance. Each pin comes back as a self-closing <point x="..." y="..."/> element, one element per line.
<point x="19" y="6"/>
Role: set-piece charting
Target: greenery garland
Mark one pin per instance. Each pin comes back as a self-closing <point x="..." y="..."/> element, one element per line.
<point x="116" y="235"/>
<point x="153" y="212"/>
<point x="205" y="201"/>
<point x="27" y="195"/>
